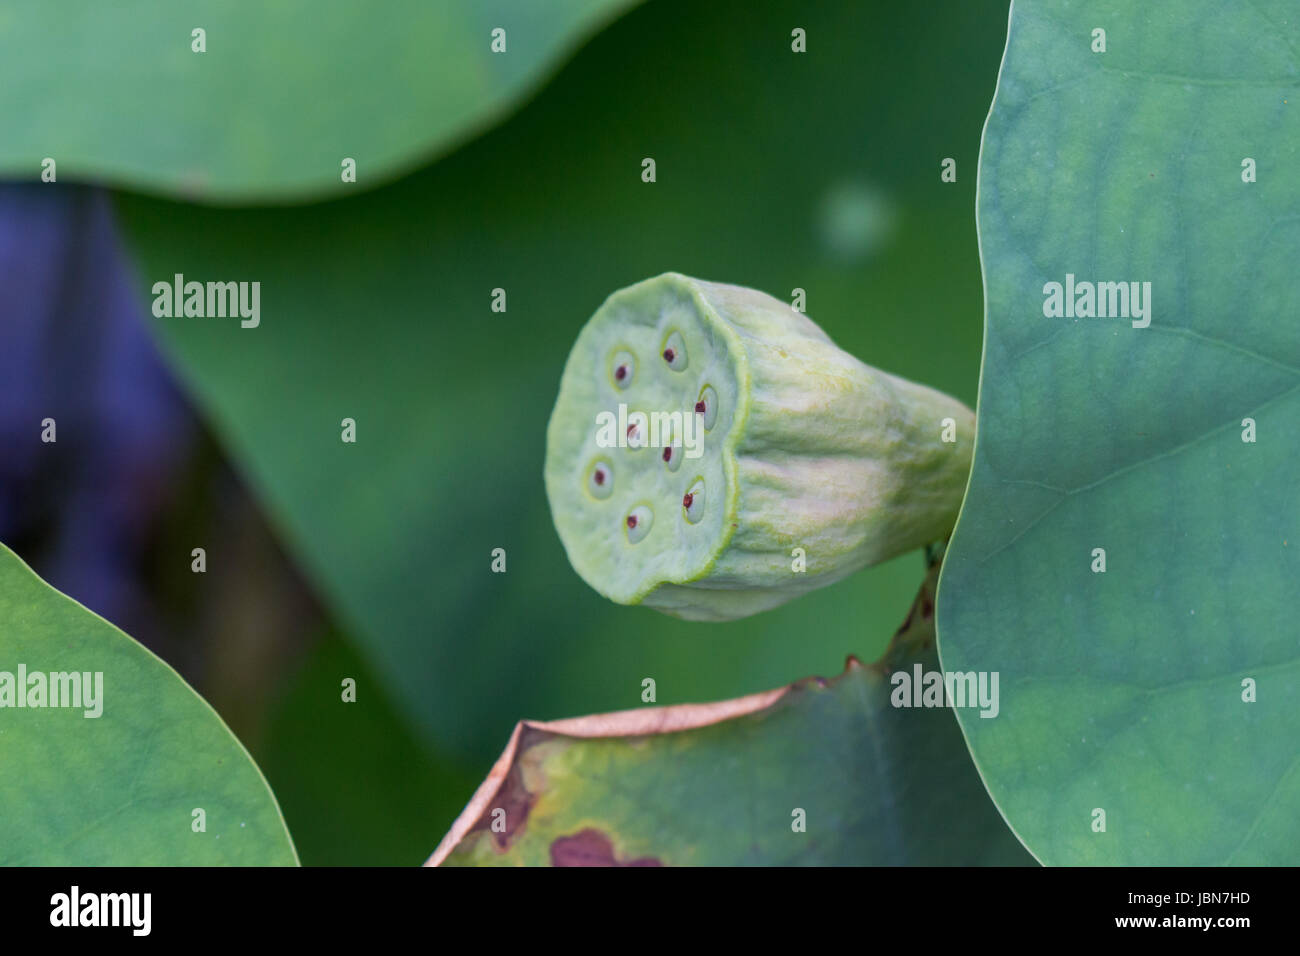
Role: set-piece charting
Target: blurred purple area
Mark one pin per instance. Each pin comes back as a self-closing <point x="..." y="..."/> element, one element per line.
<point x="75" y="347"/>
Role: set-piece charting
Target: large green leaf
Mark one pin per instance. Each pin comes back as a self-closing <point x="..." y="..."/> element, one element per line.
<point x="282" y="94"/>
<point x="119" y="788"/>
<point x="820" y="772"/>
<point x="808" y="171"/>
<point x="1123" y="691"/>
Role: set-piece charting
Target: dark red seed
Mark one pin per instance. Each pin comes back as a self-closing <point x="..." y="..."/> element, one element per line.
<point x="600" y="477"/>
<point x="687" y="499"/>
<point x="668" y="454"/>
<point x="631" y="521"/>
<point x="669" y="354"/>
<point x="620" y="373"/>
<point x="699" y="407"/>
<point x="631" y="429"/>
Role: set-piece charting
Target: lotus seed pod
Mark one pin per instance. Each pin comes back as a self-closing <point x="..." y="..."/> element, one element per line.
<point x="703" y="432"/>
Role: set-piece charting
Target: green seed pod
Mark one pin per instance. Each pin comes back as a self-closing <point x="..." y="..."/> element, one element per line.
<point x="704" y="432"/>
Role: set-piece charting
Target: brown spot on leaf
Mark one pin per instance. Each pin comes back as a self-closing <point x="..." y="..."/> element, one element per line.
<point x="516" y="801"/>
<point x="590" y="847"/>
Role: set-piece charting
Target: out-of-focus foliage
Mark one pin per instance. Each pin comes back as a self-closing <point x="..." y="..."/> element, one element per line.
<point x="356" y="785"/>
<point x="74" y="350"/>
<point x="279" y="96"/>
<point x="774" y="169"/>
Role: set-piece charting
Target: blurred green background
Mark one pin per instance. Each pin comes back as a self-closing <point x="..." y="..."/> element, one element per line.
<point x="777" y="170"/>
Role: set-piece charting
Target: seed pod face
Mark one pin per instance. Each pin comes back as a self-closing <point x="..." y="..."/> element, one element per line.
<point x="784" y="442"/>
<point x="637" y="535"/>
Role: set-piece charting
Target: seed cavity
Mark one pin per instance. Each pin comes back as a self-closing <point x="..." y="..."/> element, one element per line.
<point x="672" y="451"/>
<point x="693" y="501"/>
<point x="707" y="405"/>
<point x="600" y="479"/>
<point x="674" y="351"/>
<point x="622" y="369"/>
<point x="638" y="522"/>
